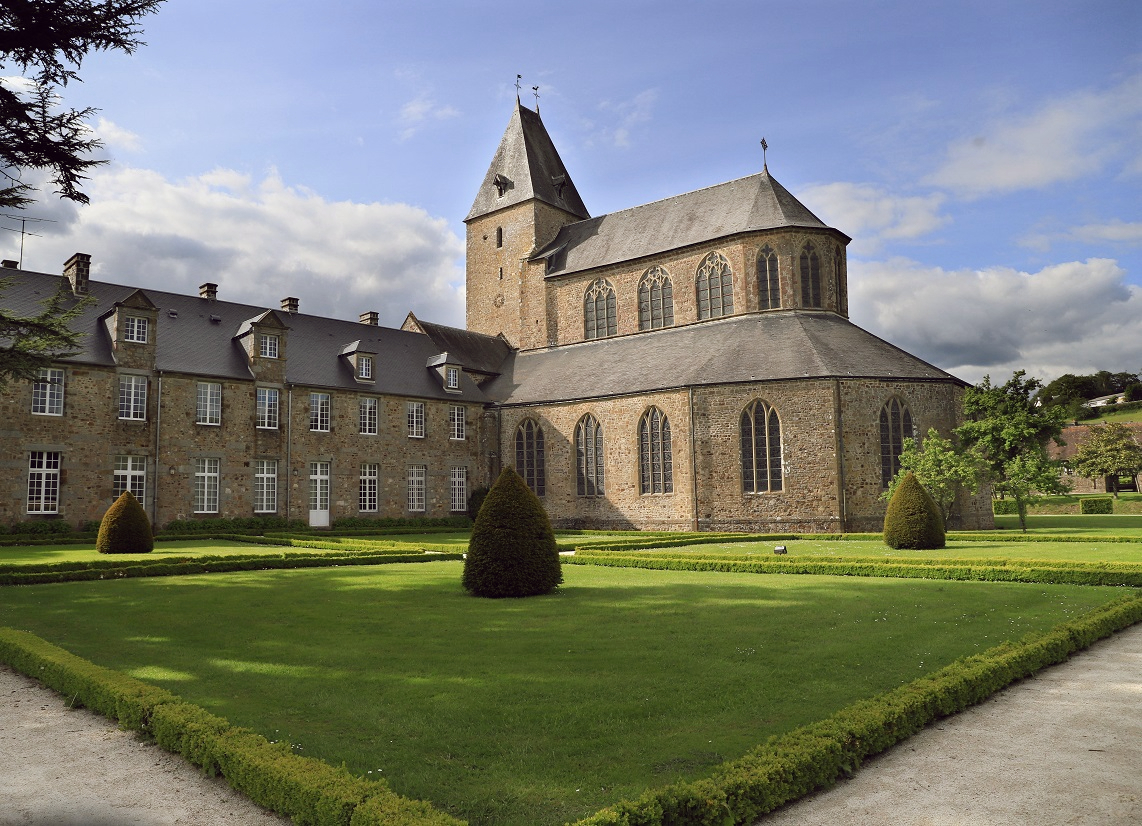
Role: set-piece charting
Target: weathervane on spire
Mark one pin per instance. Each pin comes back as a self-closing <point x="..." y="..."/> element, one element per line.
<point x="518" y="78"/>
<point x="764" y="146"/>
<point x="535" y="91"/>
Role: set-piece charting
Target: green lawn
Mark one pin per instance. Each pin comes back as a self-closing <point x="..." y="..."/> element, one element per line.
<point x="534" y="711"/>
<point x="24" y="554"/>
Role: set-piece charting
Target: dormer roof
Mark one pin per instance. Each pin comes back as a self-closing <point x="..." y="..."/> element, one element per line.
<point x="527" y="166"/>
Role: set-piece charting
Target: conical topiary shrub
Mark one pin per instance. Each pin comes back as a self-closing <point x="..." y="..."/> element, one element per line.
<point x="913" y="519"/>
<point x="125" y="528"/>
<point x="512" y="551"/>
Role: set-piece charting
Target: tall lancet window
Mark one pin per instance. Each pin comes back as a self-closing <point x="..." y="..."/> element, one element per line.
<point x="810" y="276"/>
<point x="599" y="312"/>
<point x="655" y="300"/>
<point x="768" y="287"/>
<point x="715" y="283"/>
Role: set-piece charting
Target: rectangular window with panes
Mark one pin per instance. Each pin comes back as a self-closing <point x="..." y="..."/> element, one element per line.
<point x="269" y="408"/>
<point x="208" y="409"/>
<point x="135" y="329"/>
<point x="130" y="475"/>
<point x="367" y="408"/>
<point x="417" y="475"/>
<point x="133" y="397"/>
<point x="319" y="412"/>
<point x="416" y="420"/>
<point x="457" y="423"/>
<point x="47" y="392"/>
<point x="265" y="485"/>
<point x="452" y="378"/>
<point x="370" y="477"/>
<point x="43" y="481"/>
<point x="364" y="367"/>
<point x="268" y="346"/>
<point x="206" y="485"/>
<point x="459" y="483"/>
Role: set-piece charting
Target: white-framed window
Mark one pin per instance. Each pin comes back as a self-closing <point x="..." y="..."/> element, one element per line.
<point x="459" y="489"/>
<point x="43" y="481"/>
<point x="206" y="485"/>
<point x="416" y="480"/>
<point x="130" y="474"/>
<point x="416" y="420"/>
<point x="269" y="408"/>
<point x="319" y="412"/>
<point x="135" y="329"/>
<point x="367" y="410"/>
<point x="457" y="423"/>
<point x="370" y="476"/>
<point x="208" y="407"/>
<point x="47" y="392"/>
<point x="364" y="367"/>
<point x="265" y="485"/>
<point x="133" y="397"/>
<point x="268" y="345"/>
<point x="452" y="378"/>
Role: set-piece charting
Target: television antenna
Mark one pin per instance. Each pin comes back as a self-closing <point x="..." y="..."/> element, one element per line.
<point x="23" y="230"/>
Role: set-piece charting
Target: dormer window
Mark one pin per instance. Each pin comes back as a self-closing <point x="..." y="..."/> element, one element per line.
<point x="559" y="181"/>
<point x="364" y="367"/>
<point x="268" y="346"/>
<point x="452" y="378"/>
<point x="501" y="184"/>
<point x="135" y="329"/>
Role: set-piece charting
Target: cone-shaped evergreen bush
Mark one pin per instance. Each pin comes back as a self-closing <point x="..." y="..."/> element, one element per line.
<point x="512" y="551"/>
<point x="913" y="519"/>
<point x="125" y="528"/>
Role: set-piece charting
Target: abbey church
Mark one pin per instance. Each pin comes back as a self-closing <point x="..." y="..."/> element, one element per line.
<point x="686" y="364"/>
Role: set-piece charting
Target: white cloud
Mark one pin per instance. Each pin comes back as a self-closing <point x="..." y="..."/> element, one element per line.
<point x="871" y="215"/>
<point x="260" y="240"/>
<point x="630" y="114"/>
<point x="116" y="137"/>
<point x="1120" y="232"/>
<point x="1074" y="317"/>
<point x="1065" y="139"/>
<point x="420" y="111"/>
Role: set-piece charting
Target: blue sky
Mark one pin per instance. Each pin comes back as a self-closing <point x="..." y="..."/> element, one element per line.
<point x="986" y="157"/>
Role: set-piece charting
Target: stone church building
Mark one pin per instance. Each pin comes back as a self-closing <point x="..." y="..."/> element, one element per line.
<point x="686" y="364"/>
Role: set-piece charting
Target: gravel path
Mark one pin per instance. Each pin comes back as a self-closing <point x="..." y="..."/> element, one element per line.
<point x="1064" y="747"/>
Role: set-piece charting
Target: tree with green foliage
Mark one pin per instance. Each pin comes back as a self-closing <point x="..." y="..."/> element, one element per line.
<point x="1008" y="432"/>
<point x="941" y="468"/>
<point x="913" y="519"/>
<point x="47" y="40"/>
<point x="30" y="343"/>
<point x="125" y="528"/>
<point x="512" y="551"/>
<point x="1109" y="451"/>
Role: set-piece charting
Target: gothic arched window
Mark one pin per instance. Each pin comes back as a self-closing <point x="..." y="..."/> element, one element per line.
<point x="895" y="427"/>
<point x="589" y="456"/>
<point x="599" y="310"/>
<point x="656" y="465"/>
<point x="761" y="449"/>
<point x="768" y="287"/>
<point x="715" y="287"/>
<point x="655" y="300"/>
<point x="529" y="455"/>
<point x="810" y="276"/>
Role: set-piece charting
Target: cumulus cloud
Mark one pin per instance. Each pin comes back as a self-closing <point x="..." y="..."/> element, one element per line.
<point x="1074" y="317"/>
<point x="1063" y="140"/>
<point x="114" y="136"/>
<point x="871" y="216"/>
<point x="260" y="240"/>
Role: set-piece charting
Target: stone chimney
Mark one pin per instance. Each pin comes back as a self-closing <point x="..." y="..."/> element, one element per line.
<point x="372" y="318"/>
<point x="77" y="270"/>
<point x="208" y="291"/>
<point x="290" y="305"/>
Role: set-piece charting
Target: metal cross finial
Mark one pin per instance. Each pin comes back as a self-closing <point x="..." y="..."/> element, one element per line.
<point x="517" y="80"/>
<point x="764" y="146"/>
<point x="535" y="91"/>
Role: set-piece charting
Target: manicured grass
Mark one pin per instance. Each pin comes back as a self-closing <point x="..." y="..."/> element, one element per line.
<point x="25" y="554"/>
<point x="533" y="711"/>
<point x="1109" y="524"/>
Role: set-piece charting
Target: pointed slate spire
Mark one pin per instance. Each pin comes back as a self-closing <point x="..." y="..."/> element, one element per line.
<point x="527" y="166"/>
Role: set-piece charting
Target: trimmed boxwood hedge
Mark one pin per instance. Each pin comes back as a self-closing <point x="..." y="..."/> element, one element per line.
<point x="1096" y="504"/>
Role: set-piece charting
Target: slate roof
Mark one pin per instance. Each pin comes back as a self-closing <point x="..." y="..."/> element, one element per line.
<point x="190" y="341"/>
<point x="531" y="167"/>
<point x="791" y="344"/>
<point x="477" y="352"/>
<point x="755" y="202"/>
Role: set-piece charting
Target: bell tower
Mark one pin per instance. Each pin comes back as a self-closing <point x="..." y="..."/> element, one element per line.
<point x="526" y="196"/>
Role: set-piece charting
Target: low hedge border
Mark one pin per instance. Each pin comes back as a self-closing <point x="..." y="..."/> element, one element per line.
<point x="1049" y="573"/>
<point x="309" y="791"/>
<point x="790" y="766"/>
<point x="1097" y="504"/>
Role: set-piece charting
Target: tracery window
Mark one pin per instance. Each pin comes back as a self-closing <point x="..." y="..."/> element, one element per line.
<point x="589" y="456"/>
<point x="529" y="455"/>
<point x="810" y="276"/>
<point x="599" y="310"/>
<point x="655" y="300"/>
<point x="895" y="427"/>
<point x="768" y="286"/>
<point x="761" y="449"/>
<point x="656" y="466"/>
<point x="715" y="287"/>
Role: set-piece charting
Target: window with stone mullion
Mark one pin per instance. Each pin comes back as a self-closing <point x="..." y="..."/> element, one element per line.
<point x="655" y="460"/>
<point x="761" y="449"/>
<point x="895" y="426"/>
<point x="600" y="311"/>
<point x="655" y="300"/>
<point x="589" y="456"/>
<point x="810" y="265"/>
<point x="715" y="285"/>
<point x="529" y="459"/>
<point x="768" y="285"/>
